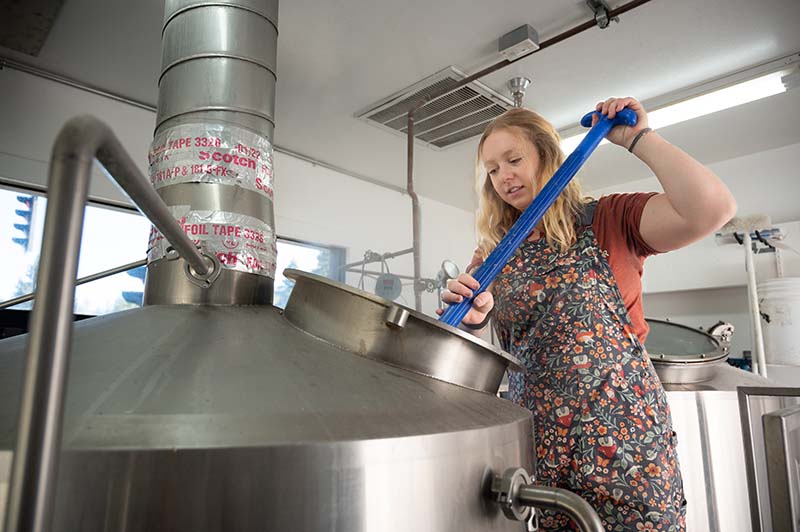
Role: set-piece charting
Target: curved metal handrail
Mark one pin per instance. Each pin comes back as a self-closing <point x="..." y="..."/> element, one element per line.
<point x="35" y="463"/>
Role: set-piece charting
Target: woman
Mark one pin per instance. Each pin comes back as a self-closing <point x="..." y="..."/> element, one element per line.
<point x="568" y="304"/>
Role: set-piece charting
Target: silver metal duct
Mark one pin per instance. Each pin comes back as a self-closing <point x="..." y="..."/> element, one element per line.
<point x="211" y="157"/>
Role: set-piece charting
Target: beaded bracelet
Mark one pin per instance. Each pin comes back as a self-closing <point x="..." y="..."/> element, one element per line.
<point x="638" y="136"/>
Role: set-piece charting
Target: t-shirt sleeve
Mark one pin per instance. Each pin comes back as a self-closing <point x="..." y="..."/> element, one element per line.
<point x="619" y="216"/>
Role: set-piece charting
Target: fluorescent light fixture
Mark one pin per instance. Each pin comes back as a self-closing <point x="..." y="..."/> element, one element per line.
<point x="741" y="93"/>
<point x="792" y="79"/>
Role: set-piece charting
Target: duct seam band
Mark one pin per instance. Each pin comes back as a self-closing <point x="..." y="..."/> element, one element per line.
<point x="262" y="64"/>
<point x="261" y="14"/>
<point x="221" y="109"/>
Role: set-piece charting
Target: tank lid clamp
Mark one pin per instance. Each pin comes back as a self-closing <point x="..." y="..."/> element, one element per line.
<point x="505" y="489"/>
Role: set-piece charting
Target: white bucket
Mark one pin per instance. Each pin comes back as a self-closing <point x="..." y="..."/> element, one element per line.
<point x="779" y="303"/>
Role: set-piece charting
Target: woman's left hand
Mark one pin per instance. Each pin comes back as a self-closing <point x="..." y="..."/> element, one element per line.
<point x="622" y="135"/>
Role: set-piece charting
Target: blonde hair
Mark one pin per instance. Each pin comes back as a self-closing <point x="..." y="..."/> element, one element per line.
<point x="495" y="217"/>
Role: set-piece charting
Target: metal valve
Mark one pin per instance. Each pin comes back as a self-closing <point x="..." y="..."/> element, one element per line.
<point x="517" y="496"/>
<point x="506" y="489"/>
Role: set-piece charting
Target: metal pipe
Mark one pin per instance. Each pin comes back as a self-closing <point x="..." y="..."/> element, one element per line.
<point x="373" y="272"/>
<point x="542" y="45"/>
<point x="83" y="280"/>
<point x="759" y="362"/>
<point x="563" y="501"/>
<point x="217" y="86"/>
<point x="393" y="254"/>
<point x="85" y="137"/>
<point x="35" y="463"/>
<point x="371" y="256"/>
<point x="415" y="214"/>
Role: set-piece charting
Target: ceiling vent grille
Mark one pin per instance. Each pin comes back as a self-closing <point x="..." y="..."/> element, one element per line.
<point x="445" y="121"/>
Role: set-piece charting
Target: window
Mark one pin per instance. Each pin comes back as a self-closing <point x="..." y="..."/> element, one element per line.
<point x="327" y="261"/>
<point x="111" y="238"/>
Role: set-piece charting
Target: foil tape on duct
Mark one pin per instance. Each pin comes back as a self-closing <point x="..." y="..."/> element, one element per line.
<point x="224" y="155"/>
<point x="211" y="153"/>
<point x="240" y="242"/>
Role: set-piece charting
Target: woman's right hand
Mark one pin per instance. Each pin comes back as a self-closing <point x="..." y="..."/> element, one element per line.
<point x="462" y="287"/>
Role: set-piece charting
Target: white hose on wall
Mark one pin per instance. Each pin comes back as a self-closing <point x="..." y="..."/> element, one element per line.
<point x="759" y="360"/>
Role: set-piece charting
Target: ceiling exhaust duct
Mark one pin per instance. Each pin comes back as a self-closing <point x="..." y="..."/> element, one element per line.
<point x="211" y="157"/>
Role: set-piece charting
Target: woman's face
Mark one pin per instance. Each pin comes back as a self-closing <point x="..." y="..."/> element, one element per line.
<point x="512" y="163"/>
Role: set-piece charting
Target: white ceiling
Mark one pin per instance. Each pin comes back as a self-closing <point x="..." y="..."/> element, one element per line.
<point x="336" y="57"/>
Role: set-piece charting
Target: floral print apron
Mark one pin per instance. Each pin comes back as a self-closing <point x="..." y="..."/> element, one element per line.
<point x="602" y="424"/>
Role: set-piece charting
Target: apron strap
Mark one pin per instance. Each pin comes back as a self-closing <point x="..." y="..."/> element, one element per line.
<point x="587" y="216"/>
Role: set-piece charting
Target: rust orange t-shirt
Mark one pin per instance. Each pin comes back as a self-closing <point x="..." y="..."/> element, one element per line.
<point x="616" y="226"/>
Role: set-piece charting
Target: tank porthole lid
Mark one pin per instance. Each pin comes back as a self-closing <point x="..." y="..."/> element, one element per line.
<point x="676" y="344"/>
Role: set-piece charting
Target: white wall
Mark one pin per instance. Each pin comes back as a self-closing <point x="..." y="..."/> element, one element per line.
<point x="312" y="203"/>
<point x="763" y="183"/>
<point x="326" y="207"/>
<point x="705" y="282"/>
<point x="33" y="110"/>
